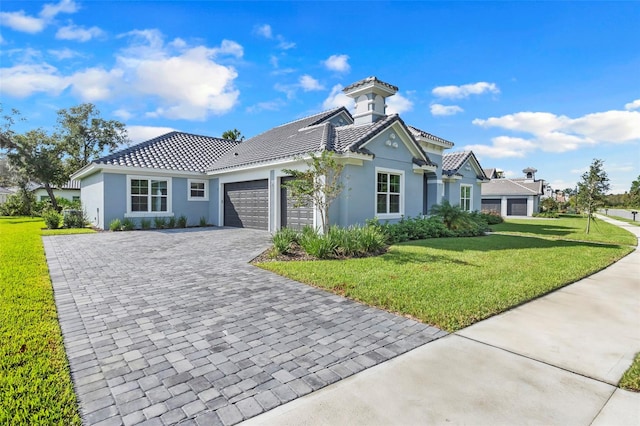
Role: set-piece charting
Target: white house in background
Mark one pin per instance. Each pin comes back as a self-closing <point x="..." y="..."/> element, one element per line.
<point x="512" y="197"/>
<point x="70" y="191"/>
<point x="4" y="193"/>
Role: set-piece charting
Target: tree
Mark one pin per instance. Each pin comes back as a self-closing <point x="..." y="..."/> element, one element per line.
<point x="85" y="135"/>
<point x="36" y="156"/>
<point x="634" y="193"/>
<point x="592" y="189"/>
<point x="320" y="184"/>
<point x="233" y="135"/>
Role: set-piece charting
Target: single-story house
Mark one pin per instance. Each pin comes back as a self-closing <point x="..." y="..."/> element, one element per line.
<point x="69" y="191"/>
<point x="513" y="197"/>
<point x="390" y="170"/>
<point x="463" y="177"/>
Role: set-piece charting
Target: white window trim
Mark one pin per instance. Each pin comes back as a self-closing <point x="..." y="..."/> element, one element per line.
<point x="470" y="196"/>
<point x="398" y="215"/>
<point x="169" y="211"/>
<point x="206" y="190"/>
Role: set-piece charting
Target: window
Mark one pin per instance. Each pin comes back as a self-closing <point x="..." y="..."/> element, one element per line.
<point x="465" y="197"/>
<point x="44" y="198"/>
<point x="148" y="196"/>
<point x="389" y="201"/>
<point x="76" y="198"/>
<point x="198" y="190"/>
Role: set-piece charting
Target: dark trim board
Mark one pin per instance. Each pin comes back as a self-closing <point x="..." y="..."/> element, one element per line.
<point x="246" y="204"/>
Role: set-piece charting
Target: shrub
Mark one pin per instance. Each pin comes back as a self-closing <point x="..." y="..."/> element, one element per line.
<point x="74" y="219"/>
<point x="22" y="203"/>
<point x="491" y="217"/>
<point x="171" y="222"/>
<point x="283" y="240"/>
<point x="115" y="225"/>
<point x="145" y="223"/>
<point x="452" y="216"/>
<point x="52" y="218"/>
<point x="548" y="214"/>
<point x="182" y="221"/>
<point x="159" y="222"/>
<point x="316" y="245"/>
<point x="369" y="239"/>
<point x="128" y="224"/>
<point x="203" y="221"/>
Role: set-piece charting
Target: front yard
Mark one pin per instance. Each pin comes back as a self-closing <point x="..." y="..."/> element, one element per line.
<point x="35" y="385"/>
<point x="454" y="282"/>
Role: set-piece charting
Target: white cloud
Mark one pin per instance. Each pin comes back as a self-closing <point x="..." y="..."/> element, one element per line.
<point x="439" y="109"/>
<point x="398" y="104"/>
<point x="465" y="90"/>
<point x="559" y="133"/>
<point x="632" y="105"/>
<point x="21" y="81"/>
<point x="266" y="106"/>
<point x="264" y="31"/>
<point x="339" y="63"/>
<point x="337" y="99"/>
<point x="49" y="11"/>
<point x="62" y="54"/>
<point x="228" y="47"/>
<point x="18" y="21"/>
<point x="139" y="134"/>
<point x="123" y="114"/>
<point x="308" y="83"/>
<point x="95" y="84"/>
<point x="74" y="32"/>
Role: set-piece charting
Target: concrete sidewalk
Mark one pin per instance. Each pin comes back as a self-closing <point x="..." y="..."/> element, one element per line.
<point x="553" y="361"/>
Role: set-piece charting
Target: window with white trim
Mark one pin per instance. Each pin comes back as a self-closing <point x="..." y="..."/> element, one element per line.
<point x="465" y="197"/>
<point x="148" y="195"/>
<point x="198" y="190"/>
<point x="389" y="197"/>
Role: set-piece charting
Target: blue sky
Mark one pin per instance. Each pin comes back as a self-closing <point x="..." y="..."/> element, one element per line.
<point x="542" y="84"/>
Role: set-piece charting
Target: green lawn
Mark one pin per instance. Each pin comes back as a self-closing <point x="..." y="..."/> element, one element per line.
<point x="35" y="385"/>
<point x="631" y="379"/>
<point x="567" y="228"/>
<point x="454" y="282"/>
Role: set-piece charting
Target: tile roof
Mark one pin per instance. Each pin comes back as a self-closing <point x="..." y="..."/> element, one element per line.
<point x="422" y="133"/>
<point x="453" y="161"/>
<point x="369" y="80"/>
<point x="512" y="187"/>
<point x="172" y="151"/>
<point x="310" y="134"/>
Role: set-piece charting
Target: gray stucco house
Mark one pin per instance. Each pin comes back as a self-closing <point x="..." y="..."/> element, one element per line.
<point x="513" y="197"/>
<point x="390" y="170"/>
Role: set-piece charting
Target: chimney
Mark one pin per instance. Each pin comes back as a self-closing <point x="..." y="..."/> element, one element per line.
<point x="370" y="95"/>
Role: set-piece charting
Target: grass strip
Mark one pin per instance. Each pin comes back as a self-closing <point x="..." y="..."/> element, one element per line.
<point x="35" y="383"/>
<point x="631" y="378"/>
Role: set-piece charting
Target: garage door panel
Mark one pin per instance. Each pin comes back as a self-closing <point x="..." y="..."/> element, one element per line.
<point x="517" y="207"/>
<point x="491" y="206"/>
<point x="246" y="204"/>
<point x="291" y="216"/>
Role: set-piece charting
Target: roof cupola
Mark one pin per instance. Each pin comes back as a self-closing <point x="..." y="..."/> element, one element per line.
<point x="370" y="95"/>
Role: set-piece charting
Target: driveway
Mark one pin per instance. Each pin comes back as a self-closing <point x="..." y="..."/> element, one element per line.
<point x="176" y="327"/>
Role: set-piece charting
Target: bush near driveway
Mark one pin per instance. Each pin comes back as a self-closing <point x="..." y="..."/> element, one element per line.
<point x="35" y="384"/>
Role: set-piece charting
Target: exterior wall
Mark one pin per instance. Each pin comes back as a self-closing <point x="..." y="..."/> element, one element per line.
<point x="181" y="205"/>
<point x="60" y="193"/>
<point x="357" y="203"/>
<point x="533" y="202"/>
<point x="115" y="197"/>
<point x="92" y="196"/>
<point x="214" y="205"/>
<point x="469" y="177"/>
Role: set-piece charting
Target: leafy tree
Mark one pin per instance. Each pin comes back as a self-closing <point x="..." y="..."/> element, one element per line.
<point x="36" y="156"/>
<point x="634" y="193"/>
<point x="319" y="184"/>
<point x="233" y="135"/>
<point x="592" y="189"/>
<point x="549" y="205"/>
<point x="85" y="135"/>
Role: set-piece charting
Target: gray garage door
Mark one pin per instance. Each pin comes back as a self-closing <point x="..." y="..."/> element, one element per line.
<point x="291" y="216"/>
<point x="517" y="207"/>
<point x="491" y="205"/>
<point x="246" y="204"/>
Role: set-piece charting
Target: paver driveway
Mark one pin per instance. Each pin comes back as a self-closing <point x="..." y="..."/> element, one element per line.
<point x="176" y="327"/>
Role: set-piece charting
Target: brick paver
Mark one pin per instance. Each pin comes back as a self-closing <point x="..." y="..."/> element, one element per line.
<point x="176" y="327"/>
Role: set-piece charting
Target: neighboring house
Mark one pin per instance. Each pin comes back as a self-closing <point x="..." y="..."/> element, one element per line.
<point x="463" y="177"/>
<point x="70" y="191"/>
<point x="513" y="197"/>
<point x="4" y="193"/>
<point x="390" y="170"/>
